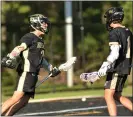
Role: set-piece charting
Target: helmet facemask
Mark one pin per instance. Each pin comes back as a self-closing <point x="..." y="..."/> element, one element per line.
<point x="42" y="27"/>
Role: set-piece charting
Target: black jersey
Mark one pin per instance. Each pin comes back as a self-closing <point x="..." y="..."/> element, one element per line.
<point x="124" y="38"/>
<point x="33" y="54"/>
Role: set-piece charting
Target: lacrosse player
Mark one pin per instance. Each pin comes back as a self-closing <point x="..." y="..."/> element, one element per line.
<point x="116" y="67"/>
<point x="31" y="53"/>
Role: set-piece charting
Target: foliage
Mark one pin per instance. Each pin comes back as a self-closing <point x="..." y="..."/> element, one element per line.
<point x="8" y="77"/>
<point x="128" y="19"/>
<point x="93" y="46"/>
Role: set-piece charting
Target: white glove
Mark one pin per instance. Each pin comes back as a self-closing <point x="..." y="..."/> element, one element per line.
<point x="102" y="71"/>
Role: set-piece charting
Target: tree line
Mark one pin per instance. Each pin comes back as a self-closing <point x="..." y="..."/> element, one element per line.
<point x="90" y="45"/>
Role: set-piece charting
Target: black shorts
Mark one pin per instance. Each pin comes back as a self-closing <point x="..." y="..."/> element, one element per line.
<point x="27" y="82"/>
<point x="115" y="81"/>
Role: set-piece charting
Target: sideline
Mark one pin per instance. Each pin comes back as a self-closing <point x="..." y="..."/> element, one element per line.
<point x="62" y="98"/>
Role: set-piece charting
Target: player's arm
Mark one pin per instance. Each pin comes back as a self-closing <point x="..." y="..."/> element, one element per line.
<point x="25" y="42"/>
<point x="113" y="56"/>
<point x="46" y="65"/>
<point x="10" y="60"/>
<point x="17" y="50"/>
<point x="114" y="53"/>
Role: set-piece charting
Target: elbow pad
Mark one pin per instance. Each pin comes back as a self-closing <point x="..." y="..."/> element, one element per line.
<point x="114" y="54"/>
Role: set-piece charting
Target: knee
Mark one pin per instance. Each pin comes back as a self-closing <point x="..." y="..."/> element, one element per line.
<point x="107" y="97"/>
<point x="108" y="94"/>
<point x="17" y="96"/>
<point x="15" y="99"/>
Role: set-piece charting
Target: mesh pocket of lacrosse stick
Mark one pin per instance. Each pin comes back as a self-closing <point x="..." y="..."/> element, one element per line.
<point x="66" y="66"/>
<point x="89" y="77"/>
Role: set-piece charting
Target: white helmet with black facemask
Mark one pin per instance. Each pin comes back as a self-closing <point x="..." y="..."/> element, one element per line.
<point x="36" y="22"/>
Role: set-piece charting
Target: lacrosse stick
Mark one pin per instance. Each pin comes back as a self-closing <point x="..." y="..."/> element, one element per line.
<point x="92" y="76"/>
<point x="89" y="77"/>
<point x="63" y="67"/>
<point x="43" y="80"/>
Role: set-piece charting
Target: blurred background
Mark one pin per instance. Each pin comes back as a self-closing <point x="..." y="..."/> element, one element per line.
<point x="89" y="42"/>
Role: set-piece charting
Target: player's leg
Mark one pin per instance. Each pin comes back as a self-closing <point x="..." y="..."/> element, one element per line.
<point x="18" y="94"/>
<point x="15" y="98"/>
<point x="18" y="105"/>
<point x="112" y="109"/>
<point x="27" y="84"/>
<point x="124" y="101"/>
<point x="3" y="105"/>
<point x="110" y="85"/>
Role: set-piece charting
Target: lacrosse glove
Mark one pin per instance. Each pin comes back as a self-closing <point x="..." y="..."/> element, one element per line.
<point x="8" y="62"/>
<point x="103" y="70"/>
<point x="55" y="71"/>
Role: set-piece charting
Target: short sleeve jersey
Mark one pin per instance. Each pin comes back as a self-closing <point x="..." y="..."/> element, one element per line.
<point x="124" y="38"/>
<point x="33" y="54"/>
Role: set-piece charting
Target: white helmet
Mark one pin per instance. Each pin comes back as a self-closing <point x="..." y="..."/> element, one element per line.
<point x="36" y="22"/>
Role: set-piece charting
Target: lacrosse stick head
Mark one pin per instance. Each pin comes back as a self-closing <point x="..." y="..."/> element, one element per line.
<point x="66" y="66"/>
<point x="89" y="77"/>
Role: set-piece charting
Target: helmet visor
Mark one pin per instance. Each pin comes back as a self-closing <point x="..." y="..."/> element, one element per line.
<point x="46" y="21"/>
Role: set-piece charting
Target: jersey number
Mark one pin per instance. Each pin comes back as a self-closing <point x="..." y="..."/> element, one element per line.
<point x="128" y="47"/>
<point x="42" y="52"/>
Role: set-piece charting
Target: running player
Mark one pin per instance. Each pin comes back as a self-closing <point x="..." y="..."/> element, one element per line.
<point x="31" y="52"/>
<point x="117" y="64"/>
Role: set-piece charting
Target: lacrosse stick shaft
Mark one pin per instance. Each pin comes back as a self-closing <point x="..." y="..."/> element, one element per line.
<point x="63" y="67"/>
<point x="46" y="78"/>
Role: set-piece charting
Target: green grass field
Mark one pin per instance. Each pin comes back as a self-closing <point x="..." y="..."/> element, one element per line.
<point x="90" y="92"/>
<point x="127" y="91"/>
